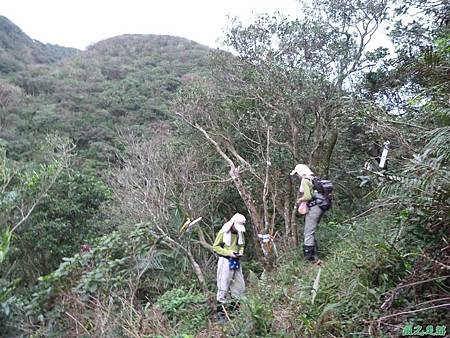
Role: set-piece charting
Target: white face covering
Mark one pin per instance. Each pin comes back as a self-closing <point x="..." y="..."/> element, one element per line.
<point x="238" y="221"/>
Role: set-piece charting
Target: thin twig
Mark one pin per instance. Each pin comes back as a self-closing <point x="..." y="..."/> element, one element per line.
<point x="432" y="301"/>
<point x="77" y="322"/>
<point x="368" y="210"/>
<point x="414" y="311"/>
<point x="388" y="302"/>
<point x="38" y="200"/>
<point x="408" y="124"/>
<point x="419" y="282"/>
<point x="214" y="181"/>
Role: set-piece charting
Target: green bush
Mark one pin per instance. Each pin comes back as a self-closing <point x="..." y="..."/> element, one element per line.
<point x="184" y="307"/>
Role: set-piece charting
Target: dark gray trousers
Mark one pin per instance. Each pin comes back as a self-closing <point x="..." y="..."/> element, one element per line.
<point x="312" y="219"/>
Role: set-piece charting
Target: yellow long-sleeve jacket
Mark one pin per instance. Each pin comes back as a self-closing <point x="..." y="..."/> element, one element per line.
<point x="227" y="250"/>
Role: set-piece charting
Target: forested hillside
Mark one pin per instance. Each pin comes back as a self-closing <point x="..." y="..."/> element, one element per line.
<point x="122" y="82"/>
<point x="17" y="50"/>
<point x="107" y="156"/>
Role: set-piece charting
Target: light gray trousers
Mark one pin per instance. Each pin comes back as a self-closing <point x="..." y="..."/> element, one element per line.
<point x="229" y="281"/>
<point x="312" y="219"/>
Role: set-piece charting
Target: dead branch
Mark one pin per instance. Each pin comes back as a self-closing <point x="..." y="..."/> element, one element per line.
<point x="379" y="320"/>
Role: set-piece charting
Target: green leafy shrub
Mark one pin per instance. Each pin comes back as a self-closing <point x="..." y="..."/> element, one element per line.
<point x="184" y="307"/>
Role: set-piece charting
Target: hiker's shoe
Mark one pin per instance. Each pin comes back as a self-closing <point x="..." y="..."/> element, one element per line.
<point x="234" y="306"/>
<point x="309" y="252"/>
<point x="221" y="317"/>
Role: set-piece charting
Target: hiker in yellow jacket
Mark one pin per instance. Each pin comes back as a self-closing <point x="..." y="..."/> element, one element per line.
<point x="229" y="245"/>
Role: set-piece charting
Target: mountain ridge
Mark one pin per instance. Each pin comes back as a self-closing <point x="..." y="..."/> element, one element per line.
<point x="126" y="81"/>
<point x="17" y="49"/>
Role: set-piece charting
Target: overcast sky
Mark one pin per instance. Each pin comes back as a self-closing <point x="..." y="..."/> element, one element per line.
<point x="80" y="23"/>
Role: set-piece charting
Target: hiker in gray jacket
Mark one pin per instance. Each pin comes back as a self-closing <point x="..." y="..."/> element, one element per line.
<point x="313" y="215"/>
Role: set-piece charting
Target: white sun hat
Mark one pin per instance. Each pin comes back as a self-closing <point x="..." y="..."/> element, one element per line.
<point x="238" y="220"/>
<point x="302" y="170"/>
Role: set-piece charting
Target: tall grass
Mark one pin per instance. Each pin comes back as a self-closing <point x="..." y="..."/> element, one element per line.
<point x="362" y="262"/>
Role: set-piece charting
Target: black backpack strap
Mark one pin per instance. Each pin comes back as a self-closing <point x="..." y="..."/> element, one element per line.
<point x="312" y="203"/>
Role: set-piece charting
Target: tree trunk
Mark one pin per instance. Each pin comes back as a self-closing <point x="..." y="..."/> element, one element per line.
<point x="287" y="207"/>
<point x="331" y="144"/>
<point x="294" y="224"/>
<point x="255" y="216"/>
<point x="201" y="278"/>
<point x="257" y="224"/>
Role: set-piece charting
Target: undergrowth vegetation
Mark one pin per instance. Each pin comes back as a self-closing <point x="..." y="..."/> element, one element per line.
<point x="363" y="262"/>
